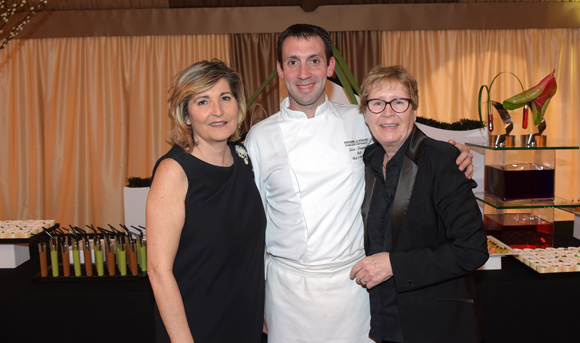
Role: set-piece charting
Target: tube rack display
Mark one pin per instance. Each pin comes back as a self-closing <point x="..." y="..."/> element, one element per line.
<point x="76" y="254"/>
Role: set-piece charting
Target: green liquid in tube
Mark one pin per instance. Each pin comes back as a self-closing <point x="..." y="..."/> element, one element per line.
<point x="99" y="262"/>
<point x="122" y="259"/>
<point x="54" y="262"/>
<point x="77" y="262"/>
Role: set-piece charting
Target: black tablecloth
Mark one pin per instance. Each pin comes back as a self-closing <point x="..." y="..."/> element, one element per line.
<point x="73" y="311"/>
<point x="519" y="305"/>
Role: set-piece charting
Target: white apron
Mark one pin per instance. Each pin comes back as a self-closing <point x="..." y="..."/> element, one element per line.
<point x="309" y="295"/>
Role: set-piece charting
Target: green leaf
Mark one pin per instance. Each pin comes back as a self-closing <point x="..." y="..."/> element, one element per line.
<point x="549" y="90"/>
<point x="342" y="63"/>
<point x="522" y="99"/>
<point x="504" y="72"/>
<point x="268" y="80"/>
<point x="488" y="89"/>
<point x="539" y="115"/>
<point x="543" y="90"/>
<point x="479" y="102"/>
<point x="346" y="85"/>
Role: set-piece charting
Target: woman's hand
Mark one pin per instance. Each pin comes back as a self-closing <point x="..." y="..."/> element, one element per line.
<point x="465" y="159"/>
<point x="372" y="270"/>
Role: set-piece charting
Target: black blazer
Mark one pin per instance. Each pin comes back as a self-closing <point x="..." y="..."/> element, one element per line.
<point x="438" y="239"/>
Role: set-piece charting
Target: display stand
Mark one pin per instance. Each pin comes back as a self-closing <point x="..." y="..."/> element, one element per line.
<point x="14" y="251"/>
<point x="519" y="199"/>
<point x="13" y="254"/>
<point x="576" y="212"/>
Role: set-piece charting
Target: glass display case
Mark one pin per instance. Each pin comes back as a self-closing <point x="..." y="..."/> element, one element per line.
<point x="519" y="197"/>
<point x="520" y="174"/>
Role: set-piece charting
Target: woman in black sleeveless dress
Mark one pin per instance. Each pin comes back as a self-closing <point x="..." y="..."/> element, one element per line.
<point x="205" y="218"/>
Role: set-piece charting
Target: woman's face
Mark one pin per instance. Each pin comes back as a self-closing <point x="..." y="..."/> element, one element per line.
<point x="213" y="114"/>
<point x="389" y="128"/>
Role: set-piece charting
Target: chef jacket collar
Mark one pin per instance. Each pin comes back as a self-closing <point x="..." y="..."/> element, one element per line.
<point x="320" y="111"/>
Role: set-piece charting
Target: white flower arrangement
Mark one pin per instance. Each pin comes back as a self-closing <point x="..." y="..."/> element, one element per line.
<point x="242" y="152"/>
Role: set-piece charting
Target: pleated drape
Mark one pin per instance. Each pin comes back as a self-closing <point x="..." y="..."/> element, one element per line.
<point x="254" y="57"/>
<point x="360" y="49"/>
<point x="79" y="116"/>
<point x="450" y="66"/>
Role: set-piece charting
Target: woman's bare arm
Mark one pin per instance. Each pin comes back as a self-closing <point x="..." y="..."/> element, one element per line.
<point x="165" y="218"/>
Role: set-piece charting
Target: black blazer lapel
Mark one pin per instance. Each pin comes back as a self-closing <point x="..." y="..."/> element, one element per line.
<point x="369" y="187"/>
<point x="406" y="183"/>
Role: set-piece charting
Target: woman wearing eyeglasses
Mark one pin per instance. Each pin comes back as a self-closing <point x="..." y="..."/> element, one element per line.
<point x="423" y="228"/>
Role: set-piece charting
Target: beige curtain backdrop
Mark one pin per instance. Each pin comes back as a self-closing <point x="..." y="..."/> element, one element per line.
<point x="450" y="66"/>
<point x="78" y="116"/>
<point x="254" y="57"/>
<point x="360" y="49"/>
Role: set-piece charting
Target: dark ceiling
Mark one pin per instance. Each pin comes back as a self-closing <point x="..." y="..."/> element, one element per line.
<point x="307" y="5"/>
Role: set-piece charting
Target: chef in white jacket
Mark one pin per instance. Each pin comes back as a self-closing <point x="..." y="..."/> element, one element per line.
<point x="309" y="170"/>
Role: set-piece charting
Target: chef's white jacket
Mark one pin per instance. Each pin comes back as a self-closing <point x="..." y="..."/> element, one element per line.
<point x="310" y="174"/>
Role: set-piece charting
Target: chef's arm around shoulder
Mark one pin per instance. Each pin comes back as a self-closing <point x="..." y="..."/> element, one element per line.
<point x="465" y="159"/>
<point x="165" y="215"/>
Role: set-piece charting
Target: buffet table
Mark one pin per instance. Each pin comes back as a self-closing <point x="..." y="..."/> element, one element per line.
<point x="73" y="311"/>
<point x="519" y="305"/>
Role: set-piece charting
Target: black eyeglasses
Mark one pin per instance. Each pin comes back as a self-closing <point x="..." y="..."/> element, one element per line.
<point x="398" y="105"/>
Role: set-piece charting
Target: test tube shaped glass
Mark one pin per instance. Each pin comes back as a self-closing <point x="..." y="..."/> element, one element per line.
<point x="76" y="258"/>
<point x="54" y="257"/>
<point x="122" y="259"/>
<point x="43" y="262"/>
<point x="132" y="251"/>
<point x="143" y="255"/>
<point x="65" y="259"/>
<point x="88" y="261"/>
<point x="99" y="257"/>
<point x="110" y="251"/>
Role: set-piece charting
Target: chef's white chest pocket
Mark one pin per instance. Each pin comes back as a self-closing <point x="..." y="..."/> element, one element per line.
<point x="356" y="149"/>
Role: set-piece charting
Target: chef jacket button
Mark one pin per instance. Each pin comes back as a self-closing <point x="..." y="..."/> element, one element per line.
<point x="410" y="283"/>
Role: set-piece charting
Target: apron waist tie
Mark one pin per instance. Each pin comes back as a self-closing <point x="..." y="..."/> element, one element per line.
<point x="313" y="270"/>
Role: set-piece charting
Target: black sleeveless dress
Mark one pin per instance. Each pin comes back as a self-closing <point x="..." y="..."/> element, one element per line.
<point x="219" y="264"/>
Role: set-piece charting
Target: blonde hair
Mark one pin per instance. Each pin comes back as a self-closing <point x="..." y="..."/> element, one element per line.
<point x="381" y="73"/>
<point x="195" y="79"/>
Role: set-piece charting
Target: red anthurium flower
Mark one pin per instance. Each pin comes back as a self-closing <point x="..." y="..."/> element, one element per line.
<point x="539" y="96"/>
<point x="540" y="104"/>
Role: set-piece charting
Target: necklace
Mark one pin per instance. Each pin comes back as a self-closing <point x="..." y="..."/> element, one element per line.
<point x="385" y="160"/>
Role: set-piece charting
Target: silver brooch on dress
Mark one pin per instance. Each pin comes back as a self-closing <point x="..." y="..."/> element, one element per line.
<point x="242" y="152"/>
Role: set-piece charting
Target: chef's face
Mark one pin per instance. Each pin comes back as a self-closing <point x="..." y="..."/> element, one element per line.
<point x="304" y="69"/>
<point x="388" y="127"/>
